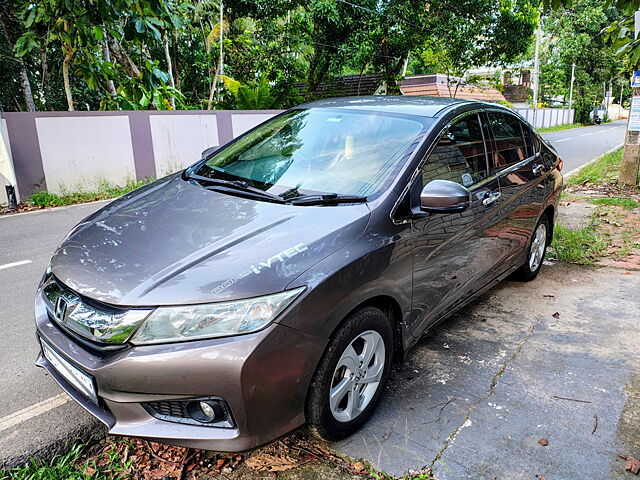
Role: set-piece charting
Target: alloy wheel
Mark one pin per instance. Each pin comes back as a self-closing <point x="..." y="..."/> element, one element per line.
<point x="538" y="246"/>
<point x="357" y="376"/>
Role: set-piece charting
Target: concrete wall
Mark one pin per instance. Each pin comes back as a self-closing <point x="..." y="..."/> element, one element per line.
<point x="547" y="117"/>
<point x="58" y="151"/>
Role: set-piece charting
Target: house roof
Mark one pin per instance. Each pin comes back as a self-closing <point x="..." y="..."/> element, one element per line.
<point x="343" y="86"/>
<point x="437" y="85"/>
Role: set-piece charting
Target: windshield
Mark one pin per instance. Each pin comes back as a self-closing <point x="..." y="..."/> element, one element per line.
<point x="318" y="151"/>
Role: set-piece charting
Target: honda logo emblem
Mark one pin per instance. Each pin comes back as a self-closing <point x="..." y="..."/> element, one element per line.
<point x="61" y="309"/>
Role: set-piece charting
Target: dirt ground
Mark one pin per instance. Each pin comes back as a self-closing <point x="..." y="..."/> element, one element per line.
<point x="617" y="225"/>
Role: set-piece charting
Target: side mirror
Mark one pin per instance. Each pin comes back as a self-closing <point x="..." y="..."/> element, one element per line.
<point x="207" y="152"/>
<point x="443" y="196"/>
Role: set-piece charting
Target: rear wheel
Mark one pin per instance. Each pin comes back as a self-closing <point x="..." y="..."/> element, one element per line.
<point x="536" y="251"/>
<point x="351" y="375"/>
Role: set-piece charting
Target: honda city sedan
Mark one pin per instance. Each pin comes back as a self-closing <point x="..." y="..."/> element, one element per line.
<point x="274" y="282"/>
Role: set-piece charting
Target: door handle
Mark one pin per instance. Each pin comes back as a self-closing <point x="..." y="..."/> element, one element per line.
<point x="490" y="198"/>
<point x="537" y="169"/>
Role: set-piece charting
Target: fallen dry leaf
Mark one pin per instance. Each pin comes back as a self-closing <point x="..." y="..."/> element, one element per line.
<point x="271" y="463"/>
<point x="544" y="442"/>
<point x="632" y="464"/>
<point x="357" y="467"/>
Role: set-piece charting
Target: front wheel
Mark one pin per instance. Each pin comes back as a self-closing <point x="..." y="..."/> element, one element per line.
<point x="351" y="375"/>
<point x="536" y="252"/>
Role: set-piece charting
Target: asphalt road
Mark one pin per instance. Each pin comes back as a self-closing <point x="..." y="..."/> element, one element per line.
<point x="577" y="146"/>
<point x="35" y="415"/>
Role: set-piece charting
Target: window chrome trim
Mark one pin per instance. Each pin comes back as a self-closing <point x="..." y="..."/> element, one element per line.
<point x="423" y="161"/>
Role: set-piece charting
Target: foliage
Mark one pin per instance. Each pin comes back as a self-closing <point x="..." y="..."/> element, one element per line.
<point x="575" y="36"/>
<point x="73" y="466"/>
<point x="139" y="54"/>
<point x="558" y="128"/>
<point x="582" y="245"/>
<point x="623" y="202"/>
<point x="103" y="192"/>
<point x="604" y="170"/>
<point x="254" y="96"/>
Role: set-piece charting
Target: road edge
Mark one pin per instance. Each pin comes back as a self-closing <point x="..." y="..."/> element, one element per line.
<point x="577" y="169"/>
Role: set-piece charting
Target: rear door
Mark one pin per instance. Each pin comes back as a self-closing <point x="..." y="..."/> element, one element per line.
<point x="520" y="170"/>
<point x="455" y="253"/>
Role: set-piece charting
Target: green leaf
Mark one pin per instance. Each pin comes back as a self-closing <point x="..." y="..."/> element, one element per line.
<point x="30" y="18"/>
<point x="98" y="33"/>
<point x="140" y="26"/>
<point x="155" y="32"/>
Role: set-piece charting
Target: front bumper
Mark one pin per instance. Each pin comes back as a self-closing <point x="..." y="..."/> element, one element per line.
<point x="263" y="377"/>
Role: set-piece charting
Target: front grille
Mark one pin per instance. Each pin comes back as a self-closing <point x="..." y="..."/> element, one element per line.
<point x="93" y="323"/>
<point x="169" y="408"/>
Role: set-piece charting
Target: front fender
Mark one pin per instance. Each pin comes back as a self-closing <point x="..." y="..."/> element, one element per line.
<point x="337" y="285"/>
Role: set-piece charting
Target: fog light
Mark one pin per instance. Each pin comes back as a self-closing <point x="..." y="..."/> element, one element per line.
<point x="207" y="410"/>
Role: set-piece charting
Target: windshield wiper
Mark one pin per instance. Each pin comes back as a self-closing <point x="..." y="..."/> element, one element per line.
<point x="236" y="185"/>
<point x="326" y="199"/>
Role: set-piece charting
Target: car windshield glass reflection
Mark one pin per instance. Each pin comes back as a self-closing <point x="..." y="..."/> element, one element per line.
<point x="318" y="151"/>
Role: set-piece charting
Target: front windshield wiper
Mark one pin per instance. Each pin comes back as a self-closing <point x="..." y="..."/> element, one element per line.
<point x="236" y="185"/>
<point x="326" y="199"/>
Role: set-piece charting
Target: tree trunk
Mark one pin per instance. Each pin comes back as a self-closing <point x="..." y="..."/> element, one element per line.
<point x="44" y="75"/>
<point x="24" y="77"/>
<point x="129" y="67"/>
<point x="631" y="155"/>
<point x="65" y="75"/>
<point x="106" y="57"/>
<point x="26" y="88"/>
<point x="68" y="56"/>
<point x="176" y="73"/>
<point x="167" y="56"/>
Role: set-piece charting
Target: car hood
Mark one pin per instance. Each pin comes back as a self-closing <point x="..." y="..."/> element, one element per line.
<point x="173" y="242"/>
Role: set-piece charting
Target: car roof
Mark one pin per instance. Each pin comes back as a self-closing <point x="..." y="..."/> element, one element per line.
<point x="408" y="105"/>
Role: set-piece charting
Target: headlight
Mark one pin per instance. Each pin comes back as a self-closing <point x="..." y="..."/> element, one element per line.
<point x="191" y="322"/>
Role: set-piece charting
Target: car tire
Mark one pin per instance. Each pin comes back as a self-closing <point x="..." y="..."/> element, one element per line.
<point x="535" y="252"/>
<point x="338" y="416"/>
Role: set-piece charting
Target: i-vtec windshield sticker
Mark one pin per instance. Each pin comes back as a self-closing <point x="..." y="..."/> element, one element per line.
<point x="256" y="269"/>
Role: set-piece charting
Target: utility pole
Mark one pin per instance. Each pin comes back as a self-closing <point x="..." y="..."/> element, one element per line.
<point x="536" y="78"/>
<point x="221" y="70"/>
<point x="631" y="155"/>
<point x="573" y="78"/>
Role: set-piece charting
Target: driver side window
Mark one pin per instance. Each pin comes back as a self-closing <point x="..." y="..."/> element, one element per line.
<point x="459" y="155"/>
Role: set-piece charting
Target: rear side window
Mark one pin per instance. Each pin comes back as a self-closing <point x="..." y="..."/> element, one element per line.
<point x="459" y="155"/>
<point x="510" y="144"/>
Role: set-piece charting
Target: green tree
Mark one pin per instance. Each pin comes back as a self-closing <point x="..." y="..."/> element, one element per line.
<point x="575" y="35"/>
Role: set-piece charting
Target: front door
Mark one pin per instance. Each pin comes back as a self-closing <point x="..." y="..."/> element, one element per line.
<point x="454" y="252"/>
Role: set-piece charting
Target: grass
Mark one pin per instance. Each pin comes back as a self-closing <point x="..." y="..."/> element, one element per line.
<point x="559" y="128"/>
<point x="103" y="192"/>
<point x="604" y="170"/>
<point x="624" y="202"/>
<point x="583" y="245"/>
<point x="71" y="466"/>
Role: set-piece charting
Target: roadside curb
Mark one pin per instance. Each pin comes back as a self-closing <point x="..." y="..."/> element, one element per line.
<point x="54" y="209"/>
<point x="577" y="170"/>
<point x="88" y="430"/>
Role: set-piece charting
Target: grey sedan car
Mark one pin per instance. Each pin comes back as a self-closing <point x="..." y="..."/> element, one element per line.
<point x="274" y="282"/>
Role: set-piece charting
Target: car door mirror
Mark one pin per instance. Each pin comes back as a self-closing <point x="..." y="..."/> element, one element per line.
<point x="444" y="196"/>
<point x="207" y="152"/>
